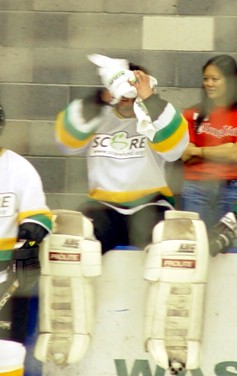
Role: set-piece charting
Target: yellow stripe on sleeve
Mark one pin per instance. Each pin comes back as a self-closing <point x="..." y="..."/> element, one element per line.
<point x="172" y="141"/>
<point x="66" y="138"/>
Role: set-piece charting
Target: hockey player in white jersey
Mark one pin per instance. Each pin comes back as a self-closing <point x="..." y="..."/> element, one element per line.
<point x="127" y="133"/>
<point x="25" y="220"/>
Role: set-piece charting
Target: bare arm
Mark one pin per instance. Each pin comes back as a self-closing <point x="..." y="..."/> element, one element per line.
<point x="220" y="153"/>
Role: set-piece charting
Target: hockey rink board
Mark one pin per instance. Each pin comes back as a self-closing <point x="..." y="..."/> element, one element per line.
<point x="116" y="348"/>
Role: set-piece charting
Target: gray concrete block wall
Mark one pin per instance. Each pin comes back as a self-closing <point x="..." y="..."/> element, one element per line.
<point x="43" y="59"/>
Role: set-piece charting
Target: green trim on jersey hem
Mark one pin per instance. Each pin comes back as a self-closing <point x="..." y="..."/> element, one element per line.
<point x="6" y="255"/>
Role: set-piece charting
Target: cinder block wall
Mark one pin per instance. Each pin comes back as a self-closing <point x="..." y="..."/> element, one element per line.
<point x="43" y="49"/>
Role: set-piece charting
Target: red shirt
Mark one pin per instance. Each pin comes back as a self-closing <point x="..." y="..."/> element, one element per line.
<point x="219" y="128"/>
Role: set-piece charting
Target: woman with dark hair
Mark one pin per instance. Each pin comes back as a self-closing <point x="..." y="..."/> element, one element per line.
<point x="210" y="170"/>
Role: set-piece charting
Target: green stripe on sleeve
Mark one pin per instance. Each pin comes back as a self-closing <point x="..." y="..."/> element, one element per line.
<point x="169" y="130"/>
<point x="75" y="133"/>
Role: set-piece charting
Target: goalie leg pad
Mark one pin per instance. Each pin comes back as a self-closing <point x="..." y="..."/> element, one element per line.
<point x="66" y="322"/>
<point x="176" y="267"/>
<point x="68" y="261"/>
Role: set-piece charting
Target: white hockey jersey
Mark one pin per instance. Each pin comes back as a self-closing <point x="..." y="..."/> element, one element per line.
<point x="125" y="167"/>
<point x="22" y="199"/>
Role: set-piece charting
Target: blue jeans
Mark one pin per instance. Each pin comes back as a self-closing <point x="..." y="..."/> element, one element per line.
<point x="211" y="199"/>
<point x="33" y="367"/>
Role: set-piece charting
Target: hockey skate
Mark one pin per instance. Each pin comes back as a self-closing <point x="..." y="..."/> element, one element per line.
<point x="222" y="235"/>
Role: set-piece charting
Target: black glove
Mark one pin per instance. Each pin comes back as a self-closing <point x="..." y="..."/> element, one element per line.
<point x="25" y="259"/>
<point x="32" y="231"/>
<point x="26" y="266"/>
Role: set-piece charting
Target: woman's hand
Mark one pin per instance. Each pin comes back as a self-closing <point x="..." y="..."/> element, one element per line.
<point x="192" y="154"/>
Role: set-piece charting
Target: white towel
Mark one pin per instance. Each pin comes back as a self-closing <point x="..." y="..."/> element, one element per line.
<point x="115" y="75"/>
<point x="144" y="122"/>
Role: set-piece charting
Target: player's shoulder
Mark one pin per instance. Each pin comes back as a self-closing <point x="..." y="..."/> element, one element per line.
<point x="12" y="155"/>
<point x="16" y="161"/>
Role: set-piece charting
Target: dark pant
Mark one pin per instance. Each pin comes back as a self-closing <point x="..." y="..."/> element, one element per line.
<point x="113" y="229"/>
<point x="14" y="314"/>
<point x="14" y="318"/>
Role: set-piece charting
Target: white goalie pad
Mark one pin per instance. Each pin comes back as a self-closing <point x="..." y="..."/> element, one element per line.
<point x="70" y="257"/>
<point x="176" y="267"/>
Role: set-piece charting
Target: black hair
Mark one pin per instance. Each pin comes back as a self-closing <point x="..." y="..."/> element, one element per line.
<point x="228" y="67"/>
<point x="133" y="67"/>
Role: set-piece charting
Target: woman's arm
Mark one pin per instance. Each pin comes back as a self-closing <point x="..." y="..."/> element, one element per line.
<point x="226" y="153"/>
